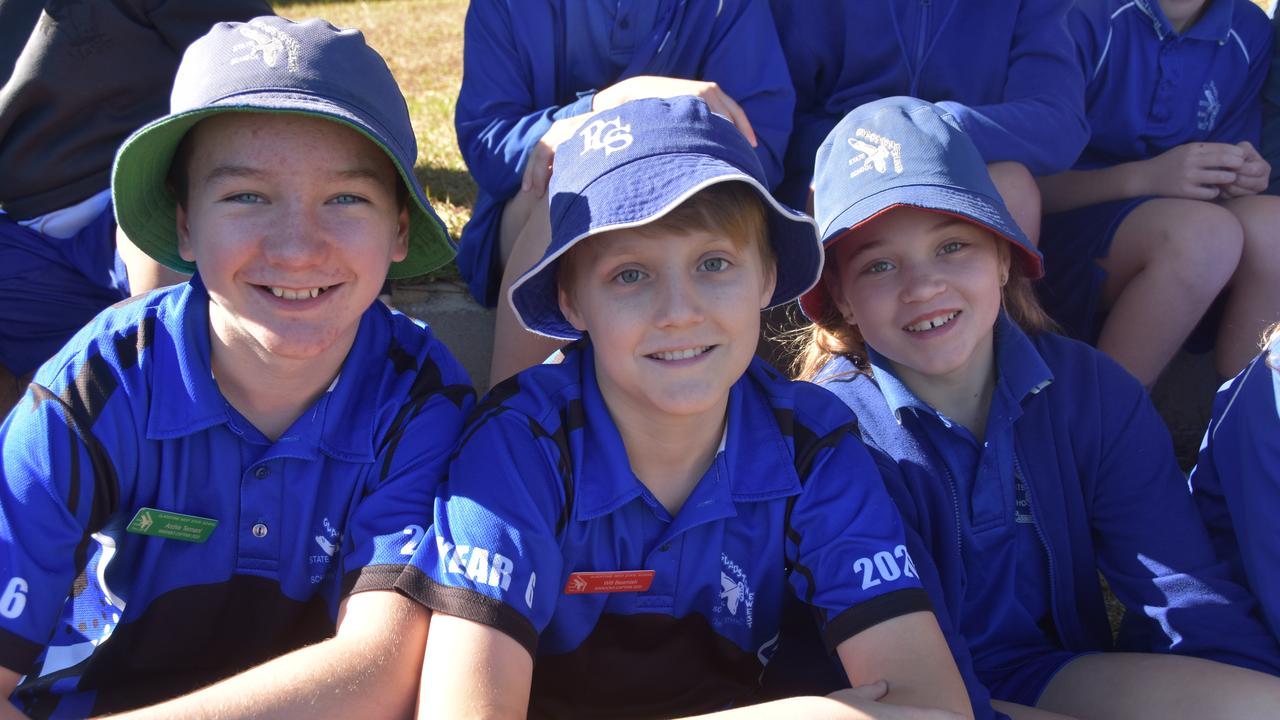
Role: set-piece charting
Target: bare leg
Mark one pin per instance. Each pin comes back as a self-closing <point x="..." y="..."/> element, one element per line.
<point x="1022" y="712"/>
<point x="11" y="389"/>
<point x="525" y="235"/>
<point x="1253" y="302"/>
<point x="145" y="274"/>
<point x="1137" y="686"/>
<point x="1169" y="259"/>
<point x="1020" y="194"/>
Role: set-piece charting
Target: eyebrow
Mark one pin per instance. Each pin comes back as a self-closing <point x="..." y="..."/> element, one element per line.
<point x="244" y="171"/>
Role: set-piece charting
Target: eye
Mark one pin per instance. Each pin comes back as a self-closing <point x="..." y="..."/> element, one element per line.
<point x="628" y="276"/>
<point x="951" y="246"/>
<point x="714" y="264"/>
<point x="347" y="199"/>
<point x="246" y="198"/>
<point x="877" y="267"/>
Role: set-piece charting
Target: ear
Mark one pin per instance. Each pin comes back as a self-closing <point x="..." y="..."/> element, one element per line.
<point x="400" y="246"/>
<point x="1004" y="254"/>
<point x="770" y="272"/>
<point x="186" y="248"/>
<point x="835" y="290"/>
<point x="568" y="307"/>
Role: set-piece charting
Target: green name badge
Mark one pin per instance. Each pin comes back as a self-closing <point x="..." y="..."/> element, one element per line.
<point x="171" y="525"/>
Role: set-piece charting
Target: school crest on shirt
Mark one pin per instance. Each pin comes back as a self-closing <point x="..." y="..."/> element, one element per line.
<point x="737" y="600"/>
<point x="327" y="542"/>
<point x="873" y="151"/>
<point x="607" y="135"/>
<point x="1209" y="107"/>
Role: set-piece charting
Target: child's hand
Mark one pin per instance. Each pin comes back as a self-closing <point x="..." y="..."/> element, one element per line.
<point x="1196" y="171"/>
<point x="657" y="86"/>
<point x="537" y="169"/>
<point x="1252" y="177"/>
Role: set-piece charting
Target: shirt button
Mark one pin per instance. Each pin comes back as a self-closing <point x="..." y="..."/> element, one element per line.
<point x="261" y="472"/>
<point x="665" y="547"/>
<point x="260" y="530"/>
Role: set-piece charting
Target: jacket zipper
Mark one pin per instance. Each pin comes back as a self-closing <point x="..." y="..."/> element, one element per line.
<point x="1035" y="504"/>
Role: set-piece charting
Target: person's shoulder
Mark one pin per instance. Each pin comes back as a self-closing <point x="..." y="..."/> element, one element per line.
<point x="413" y="338"/>
<point x="811" y="406"/>
<point x="549" y="395"/>
<point x="1252" y="25"/>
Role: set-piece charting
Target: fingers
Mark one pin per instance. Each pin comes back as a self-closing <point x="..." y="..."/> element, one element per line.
<point x="537" y="170"/>
<point x="720" y="102"/>
<point x="870" y="691"/>
<point x="1218" y="155"/>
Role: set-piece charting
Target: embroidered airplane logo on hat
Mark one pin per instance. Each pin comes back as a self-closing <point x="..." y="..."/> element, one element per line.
<point x="267" y="44"/>
<point x="874" y="151"/>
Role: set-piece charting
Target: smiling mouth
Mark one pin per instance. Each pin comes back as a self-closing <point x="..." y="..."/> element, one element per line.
<point x="298" y="294"/>
<point x="680" y="354"/>
<point x="932" y="323"/>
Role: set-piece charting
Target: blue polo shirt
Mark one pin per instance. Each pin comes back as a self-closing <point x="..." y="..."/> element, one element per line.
<point x="1105" y="495"/>
<point x="1236" y="482"/>
<point x="126" y="424"/>
<point x="542" y="489"/>
<point x="1005" y="69"/>
<point x="1150" y="89"/>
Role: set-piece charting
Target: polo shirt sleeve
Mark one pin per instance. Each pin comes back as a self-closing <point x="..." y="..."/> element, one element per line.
<point x="497" y="119"/>
<point x="1151" y="544"/>
<point x="391" y="518"/>
<point x="1242" y="118"/>
<point x="1040" y="122"/>
<point x="1236" y="481"/>
<point x="846" y="545"/>
<point x="493" y="555"/>
<point x="58" y="484"/>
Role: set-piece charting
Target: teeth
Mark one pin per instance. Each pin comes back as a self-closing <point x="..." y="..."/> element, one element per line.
<point x="681" y="354"/>
<point x="934" y="323"/>
<point x="303" y="294"/>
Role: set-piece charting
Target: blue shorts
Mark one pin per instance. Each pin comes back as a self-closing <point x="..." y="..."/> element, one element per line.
<point x="1072" y="243"/>
<point x="50" y="287"/>
<point x="1026" y="681"/>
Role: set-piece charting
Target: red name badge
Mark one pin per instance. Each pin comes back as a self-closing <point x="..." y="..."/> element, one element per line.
<point x="582" y="583"/>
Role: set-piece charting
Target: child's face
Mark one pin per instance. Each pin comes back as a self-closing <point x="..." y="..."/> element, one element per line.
<point x="674" y="318"/>
<point x="923" y="289"/>
<point x="281" y="208"/>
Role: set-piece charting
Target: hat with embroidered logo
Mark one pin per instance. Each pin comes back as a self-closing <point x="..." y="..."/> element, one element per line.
<point x="274" y="65"/>
<point x="902" y="151"/>
<point x="630" y="166"/>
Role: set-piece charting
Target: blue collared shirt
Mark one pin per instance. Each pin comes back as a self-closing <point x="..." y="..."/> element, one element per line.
<point x="542" y="488"/>
<point x="1150" y="89"/>
<point x="129" y="417"/>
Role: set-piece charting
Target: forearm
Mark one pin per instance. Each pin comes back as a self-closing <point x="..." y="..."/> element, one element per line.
<point x="1081" y="188"/>
<point x="360" y="674"/>
<point x="817" y="708"/>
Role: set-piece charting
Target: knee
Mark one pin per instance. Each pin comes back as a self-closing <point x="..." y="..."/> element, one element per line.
<point x="1018" y="189"/>
<point x="1259" y="218"/>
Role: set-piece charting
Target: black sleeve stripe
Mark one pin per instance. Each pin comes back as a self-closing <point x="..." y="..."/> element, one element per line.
<point x="18" y="653"/>
<point x="371" y="577"/>
<point x="106" y="496"/>
<point x="873" y="612"/>
<point x="469" y="605"/>
<point x="428" y="383"/>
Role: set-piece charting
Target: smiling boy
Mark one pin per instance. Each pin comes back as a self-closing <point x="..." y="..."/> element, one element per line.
<point x="218" y="475"/>
<point x="634" y="517"/>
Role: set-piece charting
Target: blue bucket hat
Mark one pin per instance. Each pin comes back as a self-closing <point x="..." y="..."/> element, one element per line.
<point x="903" y="151"/>
<point x="630" y="166"/>
<point x="274" y="65"/>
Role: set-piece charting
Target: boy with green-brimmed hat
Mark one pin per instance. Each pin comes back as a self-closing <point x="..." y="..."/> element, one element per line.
<point x="217" y="475"/>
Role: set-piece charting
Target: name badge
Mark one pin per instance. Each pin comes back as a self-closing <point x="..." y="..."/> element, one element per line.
<point x="171" y="525"/>
<point x="583" y="583"/>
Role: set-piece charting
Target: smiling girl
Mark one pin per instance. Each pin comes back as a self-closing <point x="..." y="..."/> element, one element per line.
<point x="1027" y="463"/>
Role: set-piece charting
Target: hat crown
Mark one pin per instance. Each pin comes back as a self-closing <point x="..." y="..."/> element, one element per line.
<point x="893" y="143"/>
<point x="311" y="58"/>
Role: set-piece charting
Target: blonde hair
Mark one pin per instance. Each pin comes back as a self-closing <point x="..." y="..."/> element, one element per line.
<point x="829" y="336"/>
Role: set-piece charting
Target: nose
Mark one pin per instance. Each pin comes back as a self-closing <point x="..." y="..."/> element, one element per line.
<point x="678" y="301"/>
<point x="920" y="282"/>
<point x="298" y="237"/>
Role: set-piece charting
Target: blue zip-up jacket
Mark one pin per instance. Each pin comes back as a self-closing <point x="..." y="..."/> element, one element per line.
<point x="1236" y="482"/>
<point x="1004" y="68"/>
<point x="515" y="85"/>
<point x="1090" y="446"/>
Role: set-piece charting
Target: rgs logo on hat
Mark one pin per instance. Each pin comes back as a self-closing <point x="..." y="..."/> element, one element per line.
<point x="267" y="44"/>
<point x="874" y="150"/>
<point x="609" y="136"/>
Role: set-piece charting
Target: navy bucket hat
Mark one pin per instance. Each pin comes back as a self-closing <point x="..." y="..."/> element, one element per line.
<point x="903" y="151"/>
<point x="630" y="166"/>
<point x="274" y="65"/>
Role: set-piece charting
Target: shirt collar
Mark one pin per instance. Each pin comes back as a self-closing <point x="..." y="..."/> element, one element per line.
<point x="753" y="455"/>
<point x="185" y="398"/>
<point x="1214" y="24"/>
<point x="1020" y="371"/>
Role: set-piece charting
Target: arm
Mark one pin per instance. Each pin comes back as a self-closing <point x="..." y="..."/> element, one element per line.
<point x="473" y="671"/>
<point x="1196" y="171"/>
<point x="369" y="669"/>
<point x="8" y="681"/>
<point x="1040" y="121"/>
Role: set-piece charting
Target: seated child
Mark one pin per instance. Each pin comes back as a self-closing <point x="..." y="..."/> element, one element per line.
<point x="1235" y="481"/>
<point x="534" y="71"/>
<point x="1028" y="463"/>
<point x="1162" y="210"/>
<point x="213" y="476"/>
<point x="1005" y="70"/>
<point x="633" y="517"/>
